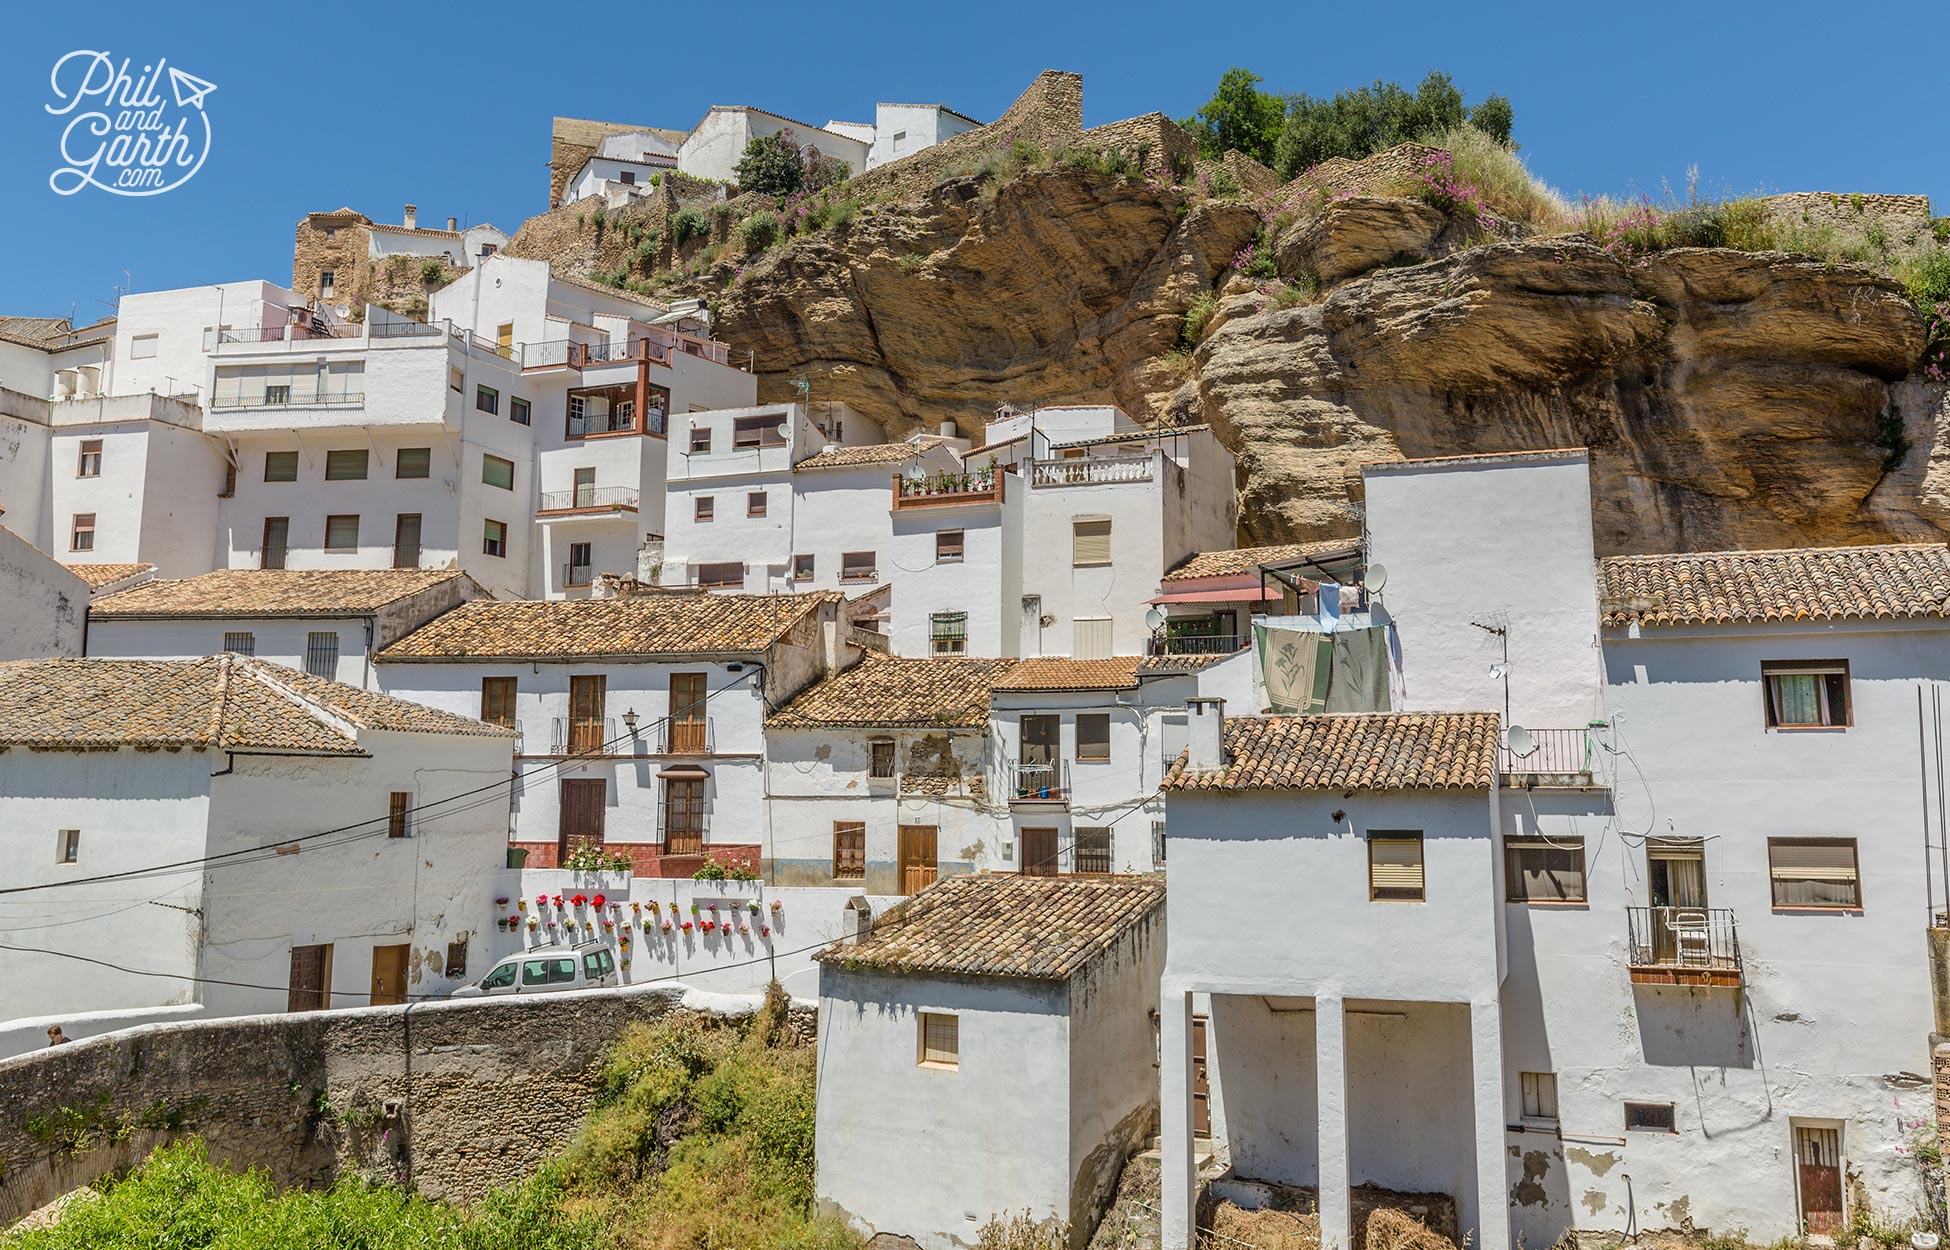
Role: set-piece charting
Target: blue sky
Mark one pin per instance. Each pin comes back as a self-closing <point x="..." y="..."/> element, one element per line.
<point x="449" y="106"/>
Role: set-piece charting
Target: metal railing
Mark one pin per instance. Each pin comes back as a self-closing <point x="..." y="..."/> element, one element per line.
<point x="614" y="423"/>
<point x="581" y="354"/>
<point x="947" y="489"/>
<point x="615" y="498"/>
<point x="1040" y="780"/>
<point x="1091" y="470"/>
<point x="1186" y="642"/>
<point x="292" y="397"/>
<point x="583" y="737"/>
<point x="689" y="836"/>
<point x="687" y="737"/>
<point x="399" y="329"/>
<point x="1563" y="752"/>
<point x="576" y="574"/>
<point x="1684" y="939"/>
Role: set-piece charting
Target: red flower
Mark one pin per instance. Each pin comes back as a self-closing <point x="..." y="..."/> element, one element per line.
<point x="763" y="931"/>
<point x="558" y="900"/>
<point x="687" y="926"/>
<point x="580" y="899"/>
<point x="600" y="900"/>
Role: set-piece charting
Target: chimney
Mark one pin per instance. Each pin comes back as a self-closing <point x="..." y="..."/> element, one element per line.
<point x="948" y="430"/>
<point x="412" y="217"/>
<point x="453" y="225"/>
<point x="856" y="926"/>
<point x="1205" y="740"/>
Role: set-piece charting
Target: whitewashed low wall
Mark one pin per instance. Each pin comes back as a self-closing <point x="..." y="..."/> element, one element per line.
<point x="17" y="1037"/>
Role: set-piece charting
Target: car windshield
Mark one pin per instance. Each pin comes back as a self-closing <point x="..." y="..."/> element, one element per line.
<point x="548" y="971"/>
<point x="500" y="977"/>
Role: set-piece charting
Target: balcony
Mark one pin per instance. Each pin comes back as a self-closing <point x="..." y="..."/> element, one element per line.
<point x="575" y="575"/>
<point x="581" y="737"/>
<point x="947" y="490"/>
<point x="1092" y="470"/>
<point x="686" y="833"/>
<point x="587" y="499"/>
<point x="1039" y="781"/>
<point x="1556" y="757"/>
<point x="1195" y="642"/>
<point x="688" y="737"/>
<point x="1693" y="946"/>
<point x="291" y="397"/>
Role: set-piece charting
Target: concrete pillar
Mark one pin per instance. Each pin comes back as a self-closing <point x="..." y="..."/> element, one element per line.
<point x="1179" y="1182"/>
<point x="1486" y="1055"/>
<point x="1330" y="1066"/>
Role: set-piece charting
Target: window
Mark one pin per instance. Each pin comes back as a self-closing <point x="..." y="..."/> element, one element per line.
<point x="1089" y="543"/>
<point x="399" y="809"/>
<point x="947" y="547"/>
<point x="494" y="538"/>
<point x="1650" y="1117"/>
<point x="501" y="978"/>
<point x="549" y="971"/>
<point x="703" y="509"/>
<point x="758" y="431"/>
<point x="1090" y="638"/>
<point x="1536" y="870"/>
<point x="700" y="440"/>
<point x="1093" y="736"/>
<point x="240" y="644"/>
<point x="581" y="555"/>
<point x="802" y="568"/>
<point x="83" y="537"/>
<point x="948" y="633"/>
<point x="229" y="490"/>
<point x="588" y="713"/>
<point x="413" y="462"/>
<point x="275" y="543"/>
<point x="1806" y="694"/>
<point x="322" y="655"/>
<point x="940" y="1040"/>
<point x="900" y="138"/>
<point x="880" y="758"/>
<point x="280" y="466"/>
<point x="1814" y="872"/>
<point x="498" y="472"/>
<point x="1158" y="844"/>
<point x="849" y="850"/>
<point x="487" y="399"/>
<point x="498" y="701"/>
<point x="346" y="466"/>
<point x="327" y="280"/>
<point x="857" y="566"/>
<point x="504" y="340"/>
<point x="520" y="412"/>
<point x="1395" y="867"/>
<point x="91" y="459"/>
<point x="1539" y="1095"/>
<point x="755" y="503"/>
<point x="67" y="847"/>
<point x="627" y="177"/>
<point x="277" y="392"/>
<point x="142" y="347"/>
<point x="1093" y="850"/>
<point x="724" y="576"/>
<point x="456" y="380"/>
<point x="456" y="965"/>
<point x="342" y="532"/>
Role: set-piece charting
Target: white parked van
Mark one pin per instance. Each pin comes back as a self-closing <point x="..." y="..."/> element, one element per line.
<point x="547" y="968"/>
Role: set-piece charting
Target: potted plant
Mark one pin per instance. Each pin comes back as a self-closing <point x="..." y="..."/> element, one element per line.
<point x="754" y="907"/>
<point x="777" y="906"/>
<point x="600" y="901"/>
<point x="687" y="926"/>
<point x="764" y="931"/>
<point x="666" y="926"/>
<point x="501" y="902"/>
<point x="533" y="925"/>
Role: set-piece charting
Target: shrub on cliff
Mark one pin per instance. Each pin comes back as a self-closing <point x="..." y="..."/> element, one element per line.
<point x="1366" y="120"/>
<point x="1238" y="118"/>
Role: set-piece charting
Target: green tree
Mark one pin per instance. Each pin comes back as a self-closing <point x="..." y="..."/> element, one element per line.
<point x="1365" y="120"/>
<point x="1494" y="118"/>
<point x="772" y="165"/>
<point x="1238" y="118"/>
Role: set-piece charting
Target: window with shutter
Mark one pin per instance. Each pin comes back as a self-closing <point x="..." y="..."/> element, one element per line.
<point x="498" y="701"/>
<point x="280" y="466"/>
<point x="399" y="809"/>
<point x="342" y="532"/>
<point x="277" y="540"/>
<point x="947" y="546"/>
<point x="858" y="566"/>
<point x="1395" y="867"/>
<point x="703" y="508"/>
<point x="1815" y="872"/>
<point x="1539" y="871"/>
<point x="498" y="472"/>
<point x="880" y="758"/>
<point x="849" y="850"/>
<point x="948" y="633"/>
<point x="240" y="644"/>
<point x="494" y="538"/>
<point x="755" y="503"/>
<point x="1089" y="542"/>
<point x="1539" y="1095"/>
<point x="1092" y="851"/>
<point x="1093" y="736"/>
<point x="83" y="536"/>
<point x="940" y="1040"/>
<point x="1090" y="638"/>
<point x="413" y="462"/>
<point x="346" y="466"/>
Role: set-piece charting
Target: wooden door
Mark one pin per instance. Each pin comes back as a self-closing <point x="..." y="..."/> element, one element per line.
<point x="1039" y="852"/>
<point x="683" y="816"/>
<point x="586" y="698"/>
<point x="1201" y="1085"/>
<point x="311" y="978"/>
<point x="918" y="864"/>
<point x="687" y="736"/>
<point x="1818" y="1164"/>
<point x="579" y="818"/>
<point x="388" y="975"/>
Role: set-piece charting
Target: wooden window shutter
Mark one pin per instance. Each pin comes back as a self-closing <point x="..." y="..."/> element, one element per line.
<point x="1089" y="542"/>
<point x="1395" y="866"/>
<point x="1814" y="861"/>
<point x="940" y="1039"/>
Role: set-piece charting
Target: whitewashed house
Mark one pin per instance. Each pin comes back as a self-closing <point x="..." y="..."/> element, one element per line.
<point x="1206" y="605"/>
<point x="624" y="166"/>
<point x="318" y="854"/>
<point x="903" y="129"/>
<point x="1003" y="1025"/>
<point x="717" y="143"/>
<point x="460" y="249"/>
<point x="643" y="716"/>
<point x="329" y="623"/>
<point x="43" y="604"/>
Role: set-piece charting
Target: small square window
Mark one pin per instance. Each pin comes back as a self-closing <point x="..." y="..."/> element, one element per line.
<point x="1093" y="851"/>
<point x="704" y="509"/>
<point x="67" y="847"/>
<point x="1093" y="736"/>
<point x="342" y="532"/>
<point x="1650" y="1117"/>
<point x="494" y="538"/>
<point x="413" y="462"/>
<point x="727" y="575"/>
<point x="857" y="566"/>
<point x="83" y="536"/>
<point x="849" y="850"/>
<point x="487" y="399"/>
<point x="240" y="644"/>
<point x="700" y="440"/>
<point x="520" y="412"/>
<point x="940" y="1040"/>
<point x="456" y="379"/>
<point x="346" y="466"/>
<point x="498" y="472"/>
<point x="1806" y="694"/>
<point x="90" y="464"/>
<point x="880" y="758"/>
<point x="1089" y="543"/>
<point x="755" y="503"/>
<point x="802" y="568"/>
<point x="327" y="279"/>
<point x="1395" y="867"/>
<point x="280" y="466"/>
<point x="947" y="547"/>
<point x="1539" y="1095"/>
<point x="399" y="810"/>
<point x="142" y="347"/>
<point x="948" y="633"/>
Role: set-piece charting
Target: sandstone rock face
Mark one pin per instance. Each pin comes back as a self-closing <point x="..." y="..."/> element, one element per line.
<point x="1357" y="234"/>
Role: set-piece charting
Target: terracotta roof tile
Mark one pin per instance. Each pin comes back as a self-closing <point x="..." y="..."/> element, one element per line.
<point x="1369" y="751"/>
<point x="226" y="702"/>
<point x="1057" y="672"/>
<point x="882" y="691"/>
<point x="272" y="592"/>
<point x="640" y="625"/>
<point x="856" y="457"/>
<point x="1003" y="925"/>
<point x="1797" y="584"/>
<point x="1249" y="559"/>
<point x="100" y="575"/>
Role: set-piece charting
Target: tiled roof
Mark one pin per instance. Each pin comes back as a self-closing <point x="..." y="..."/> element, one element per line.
<point x="1190" y="663"/>
<point x="1057" y="672"/>
<point x="1135" y="436"/>
<point x="1370" y="751"/>
<point x="615" y="292"/>
<point x="272" y="592"/>
<point x="882" y="691"/>
<point x="227" y="702"/>
<point x="855" y="457"/>
<point x="640" y="625"/>
<point x="100" y="575"/>
<point x="33" y="330"/>
<point x="1003" y="925"/>
<point x="1237" y="560"/>
<point x="1797" y="584"/>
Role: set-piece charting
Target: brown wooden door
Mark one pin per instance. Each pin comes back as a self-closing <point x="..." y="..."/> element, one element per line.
<point x="586" y="698"/>
<point x="687" y="721"/>
<point x="579" y="819"/>
<point x="388" y="975"/>
<point x="919" y="867"/>
<point x="311" y="978"/>
<point x="1818" y="1163"/>
<point x="406" y="541"/>
<point x="1039" y="852"/>
<point x="683" y="816"/>
<point x="1201" y="1084"/>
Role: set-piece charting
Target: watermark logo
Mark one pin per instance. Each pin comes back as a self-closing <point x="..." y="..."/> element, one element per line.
<point x="129" y="139"/>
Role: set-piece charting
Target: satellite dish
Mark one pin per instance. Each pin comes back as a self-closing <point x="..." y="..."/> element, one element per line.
<point x="785" y="431"/>
<point x="343" y="310"/>
<point x="1519" y="740"/>
<point x="1154" y="618"/>
<point x="1377" y="577"/>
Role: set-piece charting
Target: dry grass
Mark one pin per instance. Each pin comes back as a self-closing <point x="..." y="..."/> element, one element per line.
<point x="1507" y="184"/>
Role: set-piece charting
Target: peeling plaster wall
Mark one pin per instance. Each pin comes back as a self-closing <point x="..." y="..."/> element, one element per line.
<point x="42" y="605"/>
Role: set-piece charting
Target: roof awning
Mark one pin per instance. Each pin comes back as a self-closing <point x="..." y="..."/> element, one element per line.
<point x="684" y="772"/>
<point x="1240" y="594"/>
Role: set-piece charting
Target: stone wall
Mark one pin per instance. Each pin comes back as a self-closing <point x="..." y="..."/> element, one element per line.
<point x="1381" y="172"/>
<point x="454" y="1097"/>
<point x="1166" y="146"/>
<point x="1049" y="114"/>
<point x="339" y="243"/>
<point x="1252" y="177"/>
<point x="1904" y="219"/>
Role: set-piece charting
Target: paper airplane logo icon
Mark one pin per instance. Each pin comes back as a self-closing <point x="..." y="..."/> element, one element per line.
<point x="189" y="89"/>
